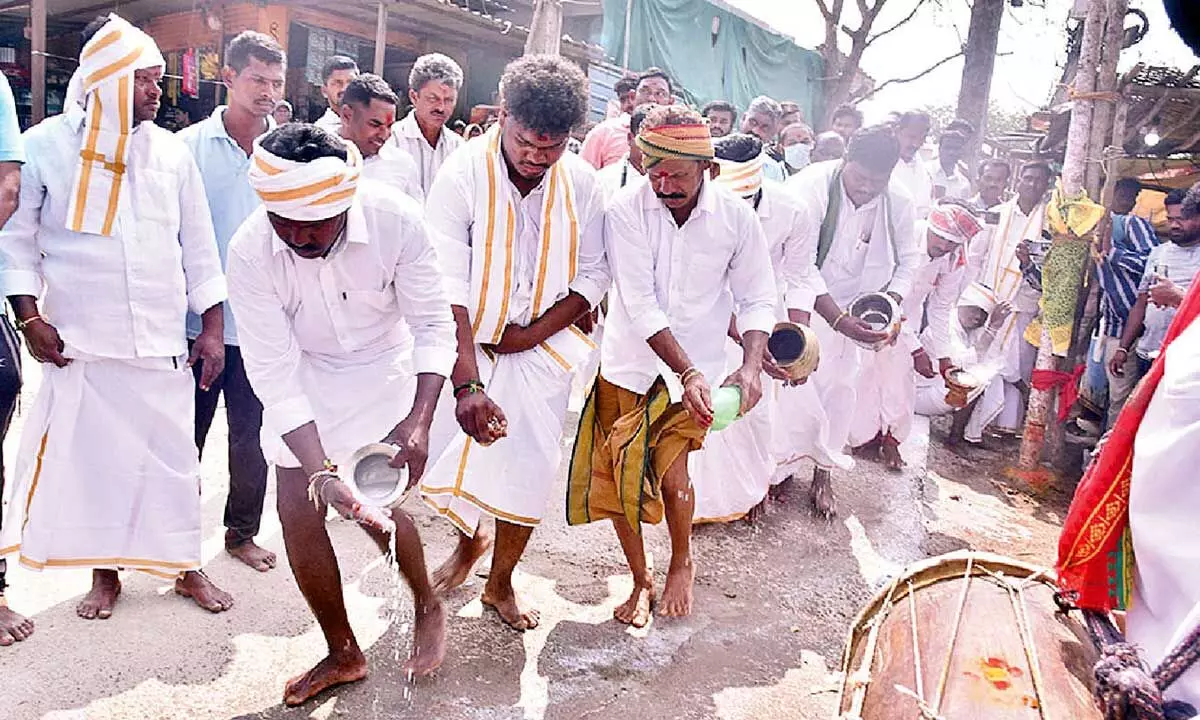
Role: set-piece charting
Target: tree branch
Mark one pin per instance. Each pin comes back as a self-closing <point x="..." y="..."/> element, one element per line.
<point x="917" y="6"/>
<point x="897" y="81"/>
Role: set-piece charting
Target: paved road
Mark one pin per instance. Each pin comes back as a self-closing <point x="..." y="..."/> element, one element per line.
<point x="772" y="605"/>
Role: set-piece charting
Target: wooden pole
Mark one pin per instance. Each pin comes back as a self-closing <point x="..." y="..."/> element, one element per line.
<point x="1074" y="168"/>
<point x="381" y="26"/>
<point x="983" y="38"/>
<point x="37" y="65"/>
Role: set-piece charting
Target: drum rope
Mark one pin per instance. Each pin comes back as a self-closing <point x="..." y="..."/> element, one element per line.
<point x="958" y="614"/>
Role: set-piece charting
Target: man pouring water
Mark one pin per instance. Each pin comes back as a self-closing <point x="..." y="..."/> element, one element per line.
<point x="320" y="277"/>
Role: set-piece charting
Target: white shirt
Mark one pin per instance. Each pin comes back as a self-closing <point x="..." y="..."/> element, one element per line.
<point x="955" y="185"/>
<point x="449" y="211"/>
<point x="862" y="258"/>
<point x="914" y="177"/>
<point x="427" y="160"/>
<point x="393" y="167"/>
<point x="688" y="279"/>
<point x="330" y="121"/>
<point x="341" y="311"/>
<point x="124" y="296"/>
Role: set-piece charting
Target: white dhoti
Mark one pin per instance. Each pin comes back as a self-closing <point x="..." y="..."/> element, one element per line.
<point x="886" y="395"/>
<point x="352" y="406"/>
<point x="511" y="479"/>
<point x="107" y="475"/>
<point x="733" y="471"/>
<point x="1164" y="503"/>
<point x="812" y="421"/>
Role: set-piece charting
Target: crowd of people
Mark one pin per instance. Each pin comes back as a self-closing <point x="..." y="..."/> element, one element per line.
<point x="374" y="276"/>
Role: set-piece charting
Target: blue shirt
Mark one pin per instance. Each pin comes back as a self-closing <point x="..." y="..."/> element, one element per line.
<point x="11" y="147"/>
<point x="224" y="167"/>
<point x="1121" y="271"/>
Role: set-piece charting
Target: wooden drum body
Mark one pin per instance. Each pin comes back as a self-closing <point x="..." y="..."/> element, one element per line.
<point x="968" y="636"/>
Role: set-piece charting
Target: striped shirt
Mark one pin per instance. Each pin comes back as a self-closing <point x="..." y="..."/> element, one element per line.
<point x="1121" y="271"/>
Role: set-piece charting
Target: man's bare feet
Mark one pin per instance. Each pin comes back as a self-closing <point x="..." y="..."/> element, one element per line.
<point x="334" y="670"/>
<point x="429" y="639"/>
<point x="821" y="494"/>
<point x="457" y="568"/>
<point x="889" y="452"/>
<point x="13" y="627"/>
<point x="99" y="601"/>
<point x="637" y="609"/>
<point x="198" y="587"/>
<point x="250" y="553"/>
<point x="504" y="602"/>
<point x="677" y="593"/>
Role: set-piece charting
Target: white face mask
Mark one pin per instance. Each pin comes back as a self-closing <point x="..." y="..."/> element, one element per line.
<point x="798" y="156"/>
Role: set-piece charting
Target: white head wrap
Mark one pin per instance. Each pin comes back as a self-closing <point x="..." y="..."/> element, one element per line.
<point x="103" y="86"/>
<point x="305" y="191"/>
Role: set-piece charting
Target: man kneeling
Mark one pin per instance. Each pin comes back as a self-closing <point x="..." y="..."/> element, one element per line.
<point x="320" y="277"/>
<point x="684" y="254"/>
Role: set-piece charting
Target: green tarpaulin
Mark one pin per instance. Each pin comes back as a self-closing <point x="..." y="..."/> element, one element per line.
<point x="736" y="63"/>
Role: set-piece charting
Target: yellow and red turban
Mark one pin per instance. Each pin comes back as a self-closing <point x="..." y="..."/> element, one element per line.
<point x="674" y="142"/>
<point x="744" y="179"/>
<point x="305" y="191"/>
<point x="954" y="223"/>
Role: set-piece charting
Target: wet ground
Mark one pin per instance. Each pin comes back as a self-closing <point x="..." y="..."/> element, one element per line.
<point x="773" y="604"/>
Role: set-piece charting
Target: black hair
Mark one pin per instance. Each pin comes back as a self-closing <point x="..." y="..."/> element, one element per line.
<point x="995" y="162"/>
<point x="638" y="116"/>
<point x="335" y="63"/>
<point x="367" y="87"/>
<point x="627" y="83"/>
<point x="848" y="111"/>
<point x="1128" y="185"/>
<point x="545" y="93"/>
<point x="655" y="72"/>
<point x="719" y="106"/>
<point x="738" y="147"/>
<point x="875" y="148"/>
<point x="89" y="31"/>
<point x="302" y="142"/>
<point x="250" y="44"/>
<point x="1175" y="197"/>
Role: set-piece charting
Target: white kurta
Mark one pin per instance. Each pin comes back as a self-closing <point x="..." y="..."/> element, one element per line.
<point x="1163" y="504"/>
<point x="511" y="479"/>
<point x="861" y="259"/>
<point x="427" y="159"/>
<point x="339" y="340"/>
<point x="108" y="475"/>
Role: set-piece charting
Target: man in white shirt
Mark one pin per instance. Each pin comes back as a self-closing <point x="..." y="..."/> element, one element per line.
<point x="433" y="87"/>
<point x="221" y="145"/>
<point x="320" y="279"/>
<point x="912" y="128"/>
<point x="1001" y="261"/>
<point x="685" y="255"/>
<point x="866" y="242"/>
<point x="948" y="181"/>
<point x="368" y="113"/>
<point x="114" y="236"/>
<point x="519" y="229"/>
<point x="887" y="387"/>
<point x="336" y="74"/>
<point x="616" y="176"/>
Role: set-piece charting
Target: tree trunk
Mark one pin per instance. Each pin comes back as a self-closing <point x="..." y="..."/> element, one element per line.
<point x="1074" y="169"/>
<point x="974" y="94"/>
<point x="545" y="30"/>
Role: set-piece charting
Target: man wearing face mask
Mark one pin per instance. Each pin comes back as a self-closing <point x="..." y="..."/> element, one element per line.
<point x="797" y="142"/>
<point x="863" y="222"/>
<point x="368" y="113"/>
<point x="518" y="224"/>
<point x="433" y="87"/>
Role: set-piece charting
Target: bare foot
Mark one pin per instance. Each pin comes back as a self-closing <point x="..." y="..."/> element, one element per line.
<point x="889" y="451"/>
<point x="13" y="627"/>
<point x="756" y="513"/>
<point x="99" y="602"/>
<point x="504" y="602"/>
<point x="334" y="670"/>
<point x="821" y="495"/>
<point x="251" y="554"/>
<point x="429" y="639"/>
<point x="677" y="593"/>
<point x="457" y="568"/>
<point x="637" y="609"/>
<point x="198" y="587"/>
<point x="781" y="493"/>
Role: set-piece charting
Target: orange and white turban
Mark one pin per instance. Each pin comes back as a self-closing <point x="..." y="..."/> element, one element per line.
<point x="674" y="142"/>
<point x="744" y="179"/>
<point x="954" y="223"/>
<point x="103" y="86"/>
<point x="305" y="191"/>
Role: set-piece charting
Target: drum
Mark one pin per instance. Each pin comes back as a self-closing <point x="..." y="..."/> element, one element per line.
<point x="968" y="636"/>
